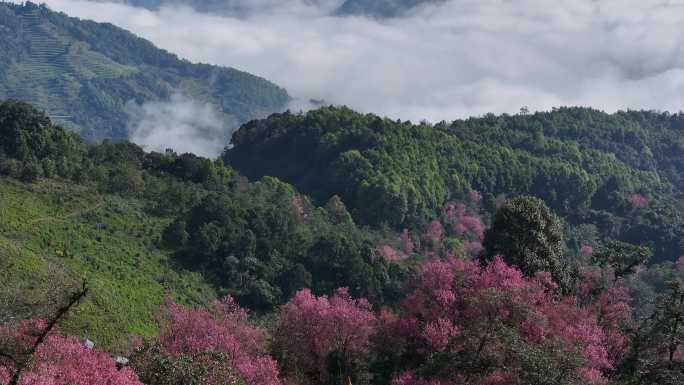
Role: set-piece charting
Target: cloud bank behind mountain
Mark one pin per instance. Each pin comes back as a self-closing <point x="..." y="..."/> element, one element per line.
<point x="462" y="58"/>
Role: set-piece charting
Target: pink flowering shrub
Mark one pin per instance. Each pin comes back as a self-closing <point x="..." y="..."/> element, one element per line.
<point x="434" y="233"/>
<point x="223" y="329"/>
<point x="494" y="314"/>
<point x="472" y="247"/>
<point x="409" y="378"/>
<point x="637" y="201"/>
<point x="390" y="254"/>
<point x="312" y="329"/>
<point x="63" y="360"/>
<point x="464" y="222"/>
<point x="474" y="197"/>
<point x="402" y="252"/>
<point x="680" y="264"/>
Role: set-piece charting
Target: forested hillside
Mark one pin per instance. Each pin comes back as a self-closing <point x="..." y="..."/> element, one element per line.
<point x="140" y="226"/>
<point x="83" y="74"/>
<point x="615" y="176"/>
<point x="191" y="274"/>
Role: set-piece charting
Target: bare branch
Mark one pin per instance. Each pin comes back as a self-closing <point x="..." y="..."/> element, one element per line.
<point x="61" y="312"/>
<point x="8" y="357"/>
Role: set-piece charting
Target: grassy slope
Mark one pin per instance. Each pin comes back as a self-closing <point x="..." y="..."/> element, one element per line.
<point x="105" y="239"/>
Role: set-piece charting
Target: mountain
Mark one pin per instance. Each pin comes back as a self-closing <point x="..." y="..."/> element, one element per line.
<point x="381" y="8"/>
<point x="85" y="75"/>
<point x="619" y="175"/>
<point x="208" y="6"/>
<point x="372" y="8"/>
<point x="232" y="8"/>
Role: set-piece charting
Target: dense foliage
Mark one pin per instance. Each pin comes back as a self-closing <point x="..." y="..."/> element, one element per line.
<point x="491" y="325"/>
<point x="31" y="147"/>
<point x="259" y="242"/>
<point x="264" y="242"/>
<point x="195" y="335"/>
<point x="84" y="73"/>
<point x="527" y="234"/>
<point x="619" y="174"/>
<point x="325" y="339"/>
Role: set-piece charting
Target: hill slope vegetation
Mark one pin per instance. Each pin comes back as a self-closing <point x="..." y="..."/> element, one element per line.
<point x="175" y="247"/>
<point x="144" y="226"/>
<point x="618" y="174"/>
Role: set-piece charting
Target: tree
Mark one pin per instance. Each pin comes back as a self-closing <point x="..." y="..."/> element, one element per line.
<point x="621" y="256"/>
<point x="659" y="344"/>
<point x="337" y="211"/>
<point x="527" y="234"/>
<point x="197" y="337"/>
<point x="125" y="179"/>
<point x="469" y="324"/>
<point x="326" y="338"/>
<point x="155" y="367"/>
<point x="34" y="353"/>
<point x="28" y="136"/>
<point x="62" y="360"/>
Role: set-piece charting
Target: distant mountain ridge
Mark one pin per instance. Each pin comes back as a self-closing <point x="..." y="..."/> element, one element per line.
<point x="373" y="8"/>
<point x="84" y="73"/>
<point x="208" y="6"/>
<point x="381" y="8"/>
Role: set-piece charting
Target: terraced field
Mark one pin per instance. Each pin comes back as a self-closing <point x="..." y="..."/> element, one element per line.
<point x="49" y="75"/>
<point x="42" y="78"/>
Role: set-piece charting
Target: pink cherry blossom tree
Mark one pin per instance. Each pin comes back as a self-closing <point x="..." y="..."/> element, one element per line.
<point x="223" y="329"/>
<point x="489" y="324"/>
<point x="434" y="234"/>
<point x="390" y="254"/>
<point x="680" y="264"/>
<point x="314" y="333"/>
<point x="61" y="360"/>
<point x="637" y="201"/>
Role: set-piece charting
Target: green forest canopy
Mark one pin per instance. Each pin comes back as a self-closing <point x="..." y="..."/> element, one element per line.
<point x="588" y="166"/>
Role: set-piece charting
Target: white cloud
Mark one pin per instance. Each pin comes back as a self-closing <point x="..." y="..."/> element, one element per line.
<point x="181" y="124"/>
<point x="464" y="58"/>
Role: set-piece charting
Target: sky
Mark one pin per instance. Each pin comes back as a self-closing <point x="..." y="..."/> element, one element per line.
<point x="463" y="58"/>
